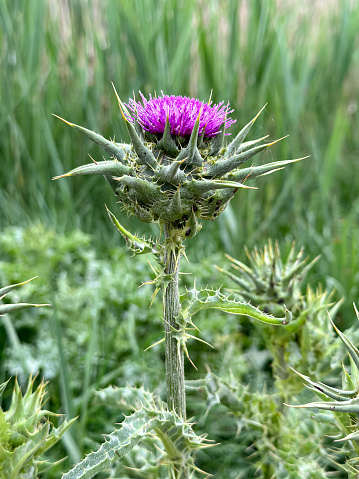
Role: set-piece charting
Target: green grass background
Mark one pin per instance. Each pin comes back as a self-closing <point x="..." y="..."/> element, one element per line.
<point x="300" y="57"/>
<point x="59" y="56"/>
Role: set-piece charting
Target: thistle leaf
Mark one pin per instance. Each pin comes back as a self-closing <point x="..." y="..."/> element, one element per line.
<point x="351" y="406"/>
<point x="194" y="301"/>
<point x="217" y="142"/>
<point x="14" y="463"/>
<point x="7" y="289"/>
<point x="198" y="187"/>
<point x="190" y="154"/>
<point x="352" y="350"/>
<point x="354" y="436"/>
<point x="171" y="173"/>
<point x="334" y="393"/>
<point x="134" y="243"/>
<point x="167" y="143"/>
<point x="9" y="308"/>
<point x="175" y="434"/>
<point x="145" y="155"/>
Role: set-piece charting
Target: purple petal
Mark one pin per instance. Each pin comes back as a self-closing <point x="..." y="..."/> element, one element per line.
<point x="182" y="113"/>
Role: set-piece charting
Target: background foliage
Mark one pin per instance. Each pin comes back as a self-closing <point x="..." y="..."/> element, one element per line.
<point x="58" y="56"/>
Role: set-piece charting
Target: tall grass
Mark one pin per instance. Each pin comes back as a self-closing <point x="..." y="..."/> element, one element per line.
<point x="302" y="58"/>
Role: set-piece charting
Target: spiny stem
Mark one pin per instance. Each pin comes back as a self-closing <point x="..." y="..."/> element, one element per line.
<point x="176" y="397"/>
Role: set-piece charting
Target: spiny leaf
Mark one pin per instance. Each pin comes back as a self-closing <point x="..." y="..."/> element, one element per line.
<point x="196" y="187"/>
<point x="9" y="288"/>
<point x="352" y="350"/>
<point x="175" y="434"/>
<point x="334" y="393"/>
<point x="167" y="143"/>
<point x="134" y="243"/>
<point x="350" y="406"/>
<point x="8" y="308"/>
<point x="145" y="155"/>
<point x="208" y="299"/>
<point x="190" y="154"/>
<point x="223" y="167"/>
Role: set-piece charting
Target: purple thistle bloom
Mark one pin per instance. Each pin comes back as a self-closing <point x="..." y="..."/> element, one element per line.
<point x="182" y="113"/>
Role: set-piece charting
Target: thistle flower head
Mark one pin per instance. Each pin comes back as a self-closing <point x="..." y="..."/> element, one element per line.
<point x="177" y="169"/>
<point x="182" y="113"/>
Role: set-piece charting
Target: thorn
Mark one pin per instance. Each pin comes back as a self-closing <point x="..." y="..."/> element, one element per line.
<point x="190" y="360"/>
<point x="210" y="97"/>
<point x="201" y="340"/>
<point x="155" y="344"/>
<point x="62" y="119"/>
<point x="93" y="159"/>
<point x="276" y="141"/>
<point x="260" y="111"/>
<point x="154" y="295"/>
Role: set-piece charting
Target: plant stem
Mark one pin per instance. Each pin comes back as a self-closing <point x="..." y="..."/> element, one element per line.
<point x="176" y="397"/>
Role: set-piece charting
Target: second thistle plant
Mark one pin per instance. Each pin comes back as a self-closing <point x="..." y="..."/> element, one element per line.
<point x="272" y="280"/>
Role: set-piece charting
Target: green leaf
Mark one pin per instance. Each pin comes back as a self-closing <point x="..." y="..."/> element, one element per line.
<point x="14" y="463"/>
<point x="351" y="406"/>
<point x="194" y="301"/>
<point x="352" y="350"/>
<point x="222" y="167"/>
<point x="55" y="435"/>
<point x="8" y="308"/>
<point x="236" y="143"/>
<point x="3" y="387"/>
<point x="134" y="243"/>
<point x="9" y="288"/>
<point x="175" y="434"/>
<point x="333" y="393"/>
<point x="254" y="171"/>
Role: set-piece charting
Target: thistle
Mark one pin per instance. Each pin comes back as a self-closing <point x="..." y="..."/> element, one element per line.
<point x="341" y="400"/>
<point x="273" y="280"/>
<point x="25" y="434"/>
<point x="176" y="172"/>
